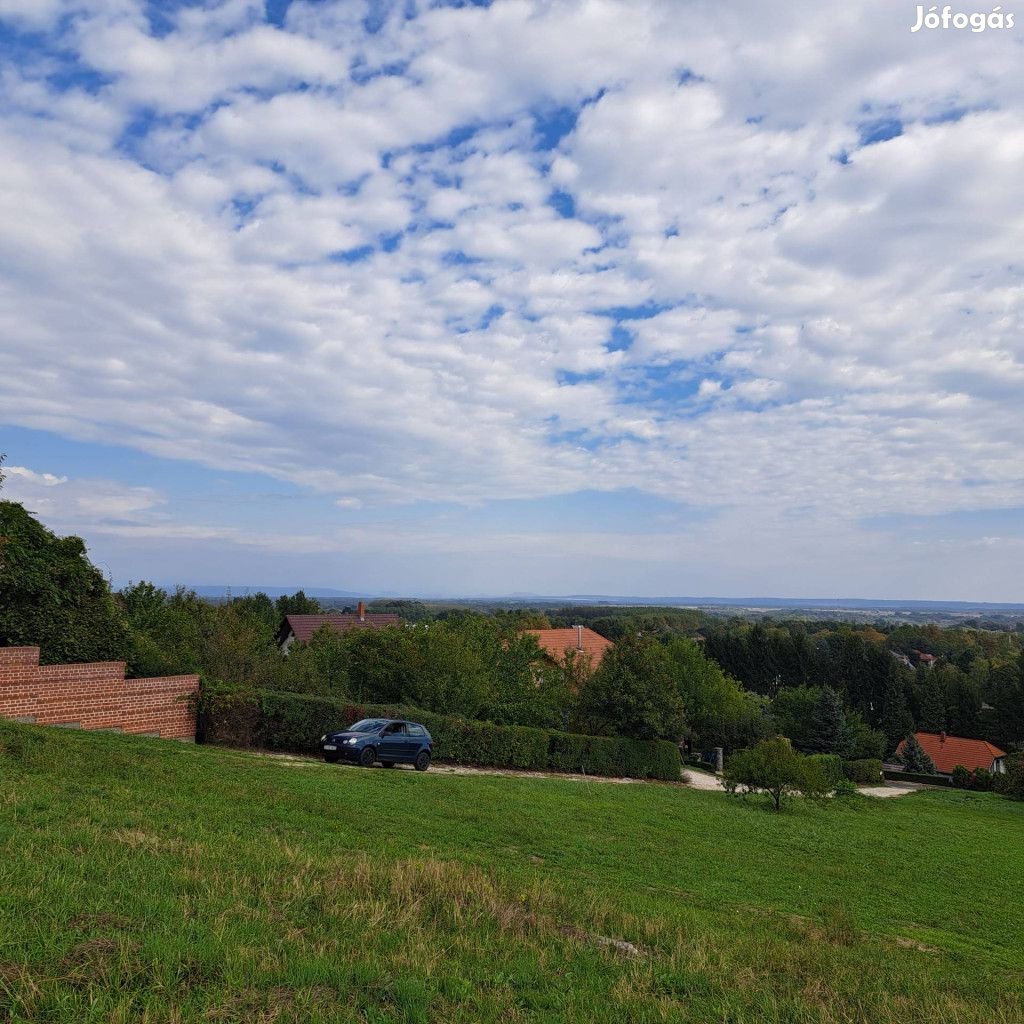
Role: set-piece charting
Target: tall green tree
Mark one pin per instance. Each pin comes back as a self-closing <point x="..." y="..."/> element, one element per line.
<point x="52" y="596"/>
<point x="634" y="693"/>
<point x="914" y="758"/>
<point x="830" y="730"/>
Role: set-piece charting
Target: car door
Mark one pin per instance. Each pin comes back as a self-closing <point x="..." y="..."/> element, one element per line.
<point x="392" y="741"/>
<point x="417" y="737"/>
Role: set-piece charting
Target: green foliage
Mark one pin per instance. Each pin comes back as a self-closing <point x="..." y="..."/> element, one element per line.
<point x="52" y="597"/>
<point x="1011" y="782"/>
<point x="634" y="692"/>
<point x="864" y="771"/>
<point x="982" y="780"/>
<point x="295" y="722"/>
<point x="913" y="757"/>
<point x="776" y="768"/>
<point x="830" y="766"/>
<point x="719" y="712"/>
<point x="961" y="777"/>
<point x="296" y="604"/>
<point x="830" y="732"/>
<point x="897" y="721"/>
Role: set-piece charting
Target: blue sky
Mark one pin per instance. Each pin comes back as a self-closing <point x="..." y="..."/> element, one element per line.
<point x="579" y="296"/>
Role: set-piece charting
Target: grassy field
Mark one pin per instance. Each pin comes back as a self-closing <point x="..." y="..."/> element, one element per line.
<point x="143" y="881"/>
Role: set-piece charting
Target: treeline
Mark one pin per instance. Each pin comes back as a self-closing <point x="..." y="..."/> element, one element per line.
<point x="967" y="682"/>
<point x="672" y="674"/>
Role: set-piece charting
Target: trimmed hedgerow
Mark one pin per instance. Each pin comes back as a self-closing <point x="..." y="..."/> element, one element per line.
<point x="865" y="772"/>
<point x="295" y="722"/>
<point x="831" y="766"/>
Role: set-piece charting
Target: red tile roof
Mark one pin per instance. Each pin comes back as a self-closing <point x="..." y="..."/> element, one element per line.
<point x="304" y="626"/>
<point x="949" y="751"/>
<point x="555" y="642"/>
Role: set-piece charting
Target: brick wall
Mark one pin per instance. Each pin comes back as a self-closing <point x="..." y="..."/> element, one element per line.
<point x="94" y="696"/>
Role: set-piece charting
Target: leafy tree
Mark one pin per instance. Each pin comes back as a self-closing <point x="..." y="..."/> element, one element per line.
<point x="719" y="712"/>
<point x="634" y="692"/>
<point x="961" y="777"/>
<point x="51" y="596"/>
<point x="319" y="666"/>
<point x="913" y="757"/>
<point x="776" y="768"/>
<point x="297" y="604"/>
<point x="1011" y="783"/>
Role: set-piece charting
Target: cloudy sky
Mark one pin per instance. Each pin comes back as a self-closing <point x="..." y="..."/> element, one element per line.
<point x="552" y="296"/>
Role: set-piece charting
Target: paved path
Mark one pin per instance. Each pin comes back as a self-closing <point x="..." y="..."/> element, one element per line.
<point x="692" y="779"/>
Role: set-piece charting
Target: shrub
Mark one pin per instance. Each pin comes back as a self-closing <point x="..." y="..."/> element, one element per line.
<point x="961" y="777"/>
<point x="831" y="766"/>
<point x="295" y="722"/>
<point x="1011" y="783"/>
<point x="864" y="772"/>
<point x="981" y="780"/>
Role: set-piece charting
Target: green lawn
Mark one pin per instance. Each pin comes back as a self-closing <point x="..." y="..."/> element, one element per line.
<point x="146" y="881"/>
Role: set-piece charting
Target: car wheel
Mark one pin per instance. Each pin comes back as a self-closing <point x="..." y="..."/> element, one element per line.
<point x="367" y="756"/>
<point x="422" y="761"/>
<point x="331" y="758"/>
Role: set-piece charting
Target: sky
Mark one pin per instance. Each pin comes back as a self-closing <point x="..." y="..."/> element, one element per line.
<point x="536" y="296"/>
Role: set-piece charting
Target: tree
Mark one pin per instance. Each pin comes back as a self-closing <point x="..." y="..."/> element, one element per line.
<point x="830" y="731"/>
<point x="719" y="712"/>
<point x="913" y="757"/>
<point x="931" y="700"/>
<point x="896" y="718"/>
<point x="633" y="693"/>
<point x="776" y="768"/>
<point x="52" y="596"/>
<point x="297" y="604"/>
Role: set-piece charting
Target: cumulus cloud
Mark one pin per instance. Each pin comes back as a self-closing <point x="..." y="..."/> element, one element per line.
<point x="746" y="256"/>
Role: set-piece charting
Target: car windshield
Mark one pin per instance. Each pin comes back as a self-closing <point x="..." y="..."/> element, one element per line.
<point x="366" y="725"/>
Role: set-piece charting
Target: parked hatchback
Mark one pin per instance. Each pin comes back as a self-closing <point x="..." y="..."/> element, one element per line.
<point x="390" y="741"/>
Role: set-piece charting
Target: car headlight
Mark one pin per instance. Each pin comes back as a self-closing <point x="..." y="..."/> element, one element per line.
<point x="323" y="739"/>
<point x="353" y="740"/>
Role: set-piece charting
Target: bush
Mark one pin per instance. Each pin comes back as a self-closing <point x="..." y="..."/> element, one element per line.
<point x="961" y="777"/>
<point x="981" y="780"/>
<point x="1011" y="783"/>
<point x="295" y="722"/>
<point x="866" y="771"/>
<point x="776" y="768"/>
<point x="831" y="766"/>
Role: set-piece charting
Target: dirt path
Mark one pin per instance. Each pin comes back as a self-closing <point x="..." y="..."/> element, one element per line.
<point x="691" y="779"/>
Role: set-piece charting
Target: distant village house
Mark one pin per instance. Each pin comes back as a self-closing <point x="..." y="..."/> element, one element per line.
<point x="300" y="628"/>
<point x="559" y="644"/>
<point x="947" y="752"/>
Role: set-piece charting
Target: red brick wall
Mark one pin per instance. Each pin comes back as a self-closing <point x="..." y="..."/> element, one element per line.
<point x="94" y="696"/>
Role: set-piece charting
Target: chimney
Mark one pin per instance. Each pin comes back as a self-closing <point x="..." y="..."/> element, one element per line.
<point x="362" y="611"/>
<point x="942" y="736"/>
<point x="579" y="637"/>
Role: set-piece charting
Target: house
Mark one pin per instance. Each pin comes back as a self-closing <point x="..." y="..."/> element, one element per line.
<point x="299" y="628"/>
<point x="557" y="643"/>
<point x="948" y="751"/>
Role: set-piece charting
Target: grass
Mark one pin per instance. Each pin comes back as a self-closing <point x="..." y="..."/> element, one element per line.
<point x="143" y="881"/>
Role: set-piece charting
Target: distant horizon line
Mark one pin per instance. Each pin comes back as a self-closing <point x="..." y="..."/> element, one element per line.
<point x="211" y="590"/>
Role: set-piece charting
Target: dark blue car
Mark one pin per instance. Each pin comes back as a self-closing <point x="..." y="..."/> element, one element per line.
<point x="388" y="740"/>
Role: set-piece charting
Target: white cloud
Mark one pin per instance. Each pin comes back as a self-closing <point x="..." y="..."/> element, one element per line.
<point x="836" y="326"/>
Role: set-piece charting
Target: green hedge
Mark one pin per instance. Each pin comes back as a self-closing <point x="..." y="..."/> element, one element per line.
<point x="831" y="766"/>
<point x="865" y="772"/>
<point x="295" y="722"/>
<point x="928" y="780"/>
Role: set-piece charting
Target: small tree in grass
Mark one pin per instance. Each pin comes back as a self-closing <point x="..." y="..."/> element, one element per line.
<point x="776" y="768"/>
<point x="914" y="759"/>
